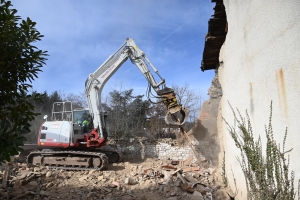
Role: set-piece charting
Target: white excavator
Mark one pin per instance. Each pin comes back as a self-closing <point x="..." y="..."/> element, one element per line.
<point x="69" y="143"/>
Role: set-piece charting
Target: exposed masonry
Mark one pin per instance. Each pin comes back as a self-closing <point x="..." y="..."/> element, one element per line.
<point x="215" y="90"/>
<point x="165" y="149"/>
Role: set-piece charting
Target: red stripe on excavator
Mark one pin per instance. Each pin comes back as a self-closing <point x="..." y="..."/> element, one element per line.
<point x="54" y="144"/>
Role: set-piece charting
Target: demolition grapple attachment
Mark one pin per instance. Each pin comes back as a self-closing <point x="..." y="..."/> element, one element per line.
<point x="176" y="115"/>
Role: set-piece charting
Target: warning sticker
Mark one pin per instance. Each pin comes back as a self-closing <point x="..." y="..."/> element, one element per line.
<point x="55" y="125"/>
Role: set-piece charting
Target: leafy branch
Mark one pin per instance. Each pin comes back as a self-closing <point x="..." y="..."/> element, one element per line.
<point x="266" y="175"/>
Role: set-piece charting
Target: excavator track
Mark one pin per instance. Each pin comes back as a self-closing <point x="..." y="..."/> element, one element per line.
<point x="113" y="156"/>
<point x="69" y="160"/>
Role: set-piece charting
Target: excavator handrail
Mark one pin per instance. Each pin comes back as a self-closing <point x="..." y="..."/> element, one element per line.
<point x="63" y="112"/>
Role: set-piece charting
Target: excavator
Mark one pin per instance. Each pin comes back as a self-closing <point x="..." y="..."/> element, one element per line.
<point x="73" y="138"/>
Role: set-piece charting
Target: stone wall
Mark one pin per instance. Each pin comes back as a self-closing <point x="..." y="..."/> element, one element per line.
<point x="164" y="149"/>
<point x="259" y="63"/>
<point x="205" y="129"/>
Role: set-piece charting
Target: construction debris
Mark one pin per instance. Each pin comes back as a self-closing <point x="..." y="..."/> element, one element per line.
<point x="149" y="179"/>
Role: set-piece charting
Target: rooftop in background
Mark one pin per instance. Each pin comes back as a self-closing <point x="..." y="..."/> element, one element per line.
<point x="217" y="30"/>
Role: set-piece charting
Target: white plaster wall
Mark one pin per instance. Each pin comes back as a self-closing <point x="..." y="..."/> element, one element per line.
<point x="260" y="62"/>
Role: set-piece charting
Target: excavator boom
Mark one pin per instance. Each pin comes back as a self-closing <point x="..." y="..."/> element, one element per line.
<point x="95" y="82"/>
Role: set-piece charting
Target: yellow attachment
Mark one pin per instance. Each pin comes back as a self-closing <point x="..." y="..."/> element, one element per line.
<point x="170" y="102"/>
<point x="175" y="115"/>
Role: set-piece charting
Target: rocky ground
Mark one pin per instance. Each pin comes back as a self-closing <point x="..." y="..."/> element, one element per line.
<point x="137" y="180"/>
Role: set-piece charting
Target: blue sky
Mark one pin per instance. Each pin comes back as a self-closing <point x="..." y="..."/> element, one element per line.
<point x="80" y="35"/>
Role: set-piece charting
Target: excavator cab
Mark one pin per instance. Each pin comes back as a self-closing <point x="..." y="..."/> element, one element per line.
<point x="80" y="115"/>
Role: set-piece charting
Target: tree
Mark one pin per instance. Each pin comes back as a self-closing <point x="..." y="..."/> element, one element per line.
<point x="156" y="118"/>
<point x="137" y="111"/>
<point x="127" y="113"/>
<point x="78" y="100"/>
<point x="20" y="63"/>
<point x="189" y="99"/>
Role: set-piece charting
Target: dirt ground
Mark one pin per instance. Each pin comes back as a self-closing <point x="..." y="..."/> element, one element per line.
<point x="149" y="179"/>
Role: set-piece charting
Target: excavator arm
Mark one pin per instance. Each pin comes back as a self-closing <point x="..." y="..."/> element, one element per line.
<point x="96" y="81"/>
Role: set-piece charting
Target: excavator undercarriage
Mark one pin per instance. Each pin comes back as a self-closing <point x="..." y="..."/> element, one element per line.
<point x="74" y="160"/>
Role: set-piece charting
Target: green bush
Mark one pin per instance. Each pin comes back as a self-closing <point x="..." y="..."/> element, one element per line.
<point x="267" y="176"/>
<point x="20" y="63"/>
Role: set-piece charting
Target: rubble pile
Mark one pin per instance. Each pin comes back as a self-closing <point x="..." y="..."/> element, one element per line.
<point x="139" y="180"/>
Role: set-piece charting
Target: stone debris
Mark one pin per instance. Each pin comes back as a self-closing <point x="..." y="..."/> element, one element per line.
<point x="131" y="180"/>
